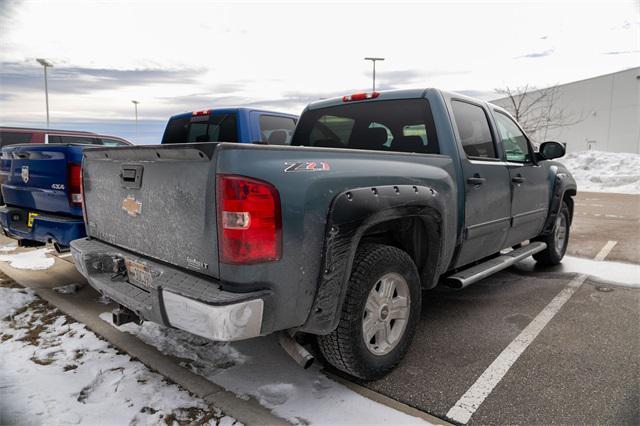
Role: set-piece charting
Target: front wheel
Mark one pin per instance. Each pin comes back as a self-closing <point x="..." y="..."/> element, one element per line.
<point x="557" y="241"/>
<point x="379" y="314"/>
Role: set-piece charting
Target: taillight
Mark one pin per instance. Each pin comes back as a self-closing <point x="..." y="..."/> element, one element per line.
<point x="75" y="183"/>
<point x="249" y="220"/>
<point x="360" y="96"/>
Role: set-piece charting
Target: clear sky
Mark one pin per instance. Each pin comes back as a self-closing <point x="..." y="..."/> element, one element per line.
<point x="176" y="56"/>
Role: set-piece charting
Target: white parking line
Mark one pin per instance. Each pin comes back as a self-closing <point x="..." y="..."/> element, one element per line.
<point x="462" y="411"/>
<point x="64" y="255"/>
<point x="604" y="251"/>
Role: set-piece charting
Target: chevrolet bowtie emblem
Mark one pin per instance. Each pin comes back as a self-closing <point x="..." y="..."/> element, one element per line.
<point x="131" y="206"/>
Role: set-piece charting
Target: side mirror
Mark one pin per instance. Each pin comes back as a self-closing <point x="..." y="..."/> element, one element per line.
<point x="550" y="150"/>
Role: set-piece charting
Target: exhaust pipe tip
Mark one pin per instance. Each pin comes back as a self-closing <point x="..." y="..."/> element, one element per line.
<point x="295" y="350"/>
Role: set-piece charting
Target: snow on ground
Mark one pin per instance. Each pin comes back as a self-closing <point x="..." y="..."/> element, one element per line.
<point x="8" y="247"/>
<point x="12" y="299"/>
<point x="599" y="171"/>
<point x="620" y="273"/>
<point x="260" y="368"/>
<point x="53" y="370"/>
<point x="35" y="260"/>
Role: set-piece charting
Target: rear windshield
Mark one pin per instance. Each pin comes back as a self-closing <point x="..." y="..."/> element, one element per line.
<point x="219" y="127"/>
<point x="10" y="138"/>
<point x="398" y="125"/>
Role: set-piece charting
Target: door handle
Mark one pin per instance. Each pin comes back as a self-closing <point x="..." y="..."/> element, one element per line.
<point x="518" y="179"/>
<point x="476" y="180"/>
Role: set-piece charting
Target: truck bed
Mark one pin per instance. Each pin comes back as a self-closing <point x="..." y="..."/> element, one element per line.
<point x="166" y="210"/>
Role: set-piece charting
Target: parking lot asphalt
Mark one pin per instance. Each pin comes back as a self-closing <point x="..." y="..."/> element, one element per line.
<point x="582" y="368"/>
<point x="601" y="217"/>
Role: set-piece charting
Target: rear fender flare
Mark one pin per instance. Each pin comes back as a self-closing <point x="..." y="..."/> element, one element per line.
<point x="351" y="214"/>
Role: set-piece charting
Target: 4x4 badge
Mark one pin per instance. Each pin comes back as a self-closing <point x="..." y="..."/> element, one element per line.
<point x="131" y="206"/>
<point x="25" y="174"/>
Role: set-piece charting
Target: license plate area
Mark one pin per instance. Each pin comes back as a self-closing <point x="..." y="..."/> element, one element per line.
<point x="138" y="273"/>
<point x="30" y="218"/>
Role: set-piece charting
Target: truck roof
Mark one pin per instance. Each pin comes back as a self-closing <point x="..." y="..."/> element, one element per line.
<point x="235" y="109"/>
<point x="37" y="129"/>
<point x="388" y="95"/>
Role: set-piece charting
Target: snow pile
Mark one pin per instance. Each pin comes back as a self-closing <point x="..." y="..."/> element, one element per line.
<point x="34" y="260"/>
<point x="55" y="371"/>
<point x="604" y="171"/>
<point x="202" y="356"/>
<point x="260" y="368"/>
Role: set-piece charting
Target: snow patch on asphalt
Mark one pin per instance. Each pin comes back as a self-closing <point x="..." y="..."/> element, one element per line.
<point x="8" y="247"/>
<point x="599" y="171"/>
<point x="260" y="368"/>
<point x="53" y="370"/>
<point x="625" y="274"/>
<point x="34" y="260"/>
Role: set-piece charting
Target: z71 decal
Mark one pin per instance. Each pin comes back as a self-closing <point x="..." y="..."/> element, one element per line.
<point x="307" y="166"/>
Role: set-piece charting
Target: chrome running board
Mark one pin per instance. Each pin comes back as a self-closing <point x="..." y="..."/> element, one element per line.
<point x="463" y="278"/>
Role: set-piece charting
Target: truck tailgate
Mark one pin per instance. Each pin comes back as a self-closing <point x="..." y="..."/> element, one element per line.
<point x="36" y="177"/>
<point x="158" y="201"/>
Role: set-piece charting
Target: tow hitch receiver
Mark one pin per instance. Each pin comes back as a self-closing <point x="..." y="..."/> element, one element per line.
<point x="122" y="316"/>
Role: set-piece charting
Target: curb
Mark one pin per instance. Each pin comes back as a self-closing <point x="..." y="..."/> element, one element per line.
<point x="385" y="400"/>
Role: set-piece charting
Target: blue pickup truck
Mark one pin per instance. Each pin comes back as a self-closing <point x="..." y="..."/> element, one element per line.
<point x="244" y="125"/>
<point x="41" y="182"/>
<point x="42" y="191"/>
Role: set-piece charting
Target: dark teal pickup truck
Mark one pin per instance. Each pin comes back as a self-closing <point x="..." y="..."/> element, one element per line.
<point x="377" y="197"/>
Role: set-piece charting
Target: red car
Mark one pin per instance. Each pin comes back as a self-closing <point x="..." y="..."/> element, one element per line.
<point x="17" y="135"/>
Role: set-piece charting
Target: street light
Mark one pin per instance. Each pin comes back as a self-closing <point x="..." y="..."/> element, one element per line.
<point x="135" y="105"/>
<point x="374" y="69"/>
<point x="46" y="63"/>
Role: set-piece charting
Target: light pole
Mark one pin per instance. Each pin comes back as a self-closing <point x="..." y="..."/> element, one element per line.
<point x="374" y="69"/>
<point x="46" y="63"/>
<point x="135" y="105"/>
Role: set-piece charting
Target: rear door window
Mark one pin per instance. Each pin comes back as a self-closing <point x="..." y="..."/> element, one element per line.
<point x="474" y="131"/>
<point x="11" y="138"/>
<point x="219" y="127"/>
<point x="396" y="125"/>
<point x="276" y="130"/>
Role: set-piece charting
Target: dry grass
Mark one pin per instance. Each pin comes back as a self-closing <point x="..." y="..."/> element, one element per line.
<point x="191" y="416"/>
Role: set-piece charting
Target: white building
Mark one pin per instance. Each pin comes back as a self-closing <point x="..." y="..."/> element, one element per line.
<point x="600" y="113"/>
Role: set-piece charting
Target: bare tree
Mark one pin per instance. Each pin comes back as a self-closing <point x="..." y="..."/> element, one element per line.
<point x="537" y="110"/>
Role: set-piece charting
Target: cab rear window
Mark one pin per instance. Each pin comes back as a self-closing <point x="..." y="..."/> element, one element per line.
<point x="396" y="125"/>
<point x="220" y="127"/>
<point x="10" y="138"/>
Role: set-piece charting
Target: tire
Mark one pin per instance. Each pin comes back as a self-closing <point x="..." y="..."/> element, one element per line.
<point x="557" y="241"/>
<point x="376" y="267"/>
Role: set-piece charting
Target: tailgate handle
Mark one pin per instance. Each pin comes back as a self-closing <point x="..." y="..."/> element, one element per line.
<point x="131" y="176"/>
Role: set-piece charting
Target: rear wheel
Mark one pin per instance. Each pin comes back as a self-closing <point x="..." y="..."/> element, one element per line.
<point x="379" y="314"/>
<point x="557" y="241"/>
